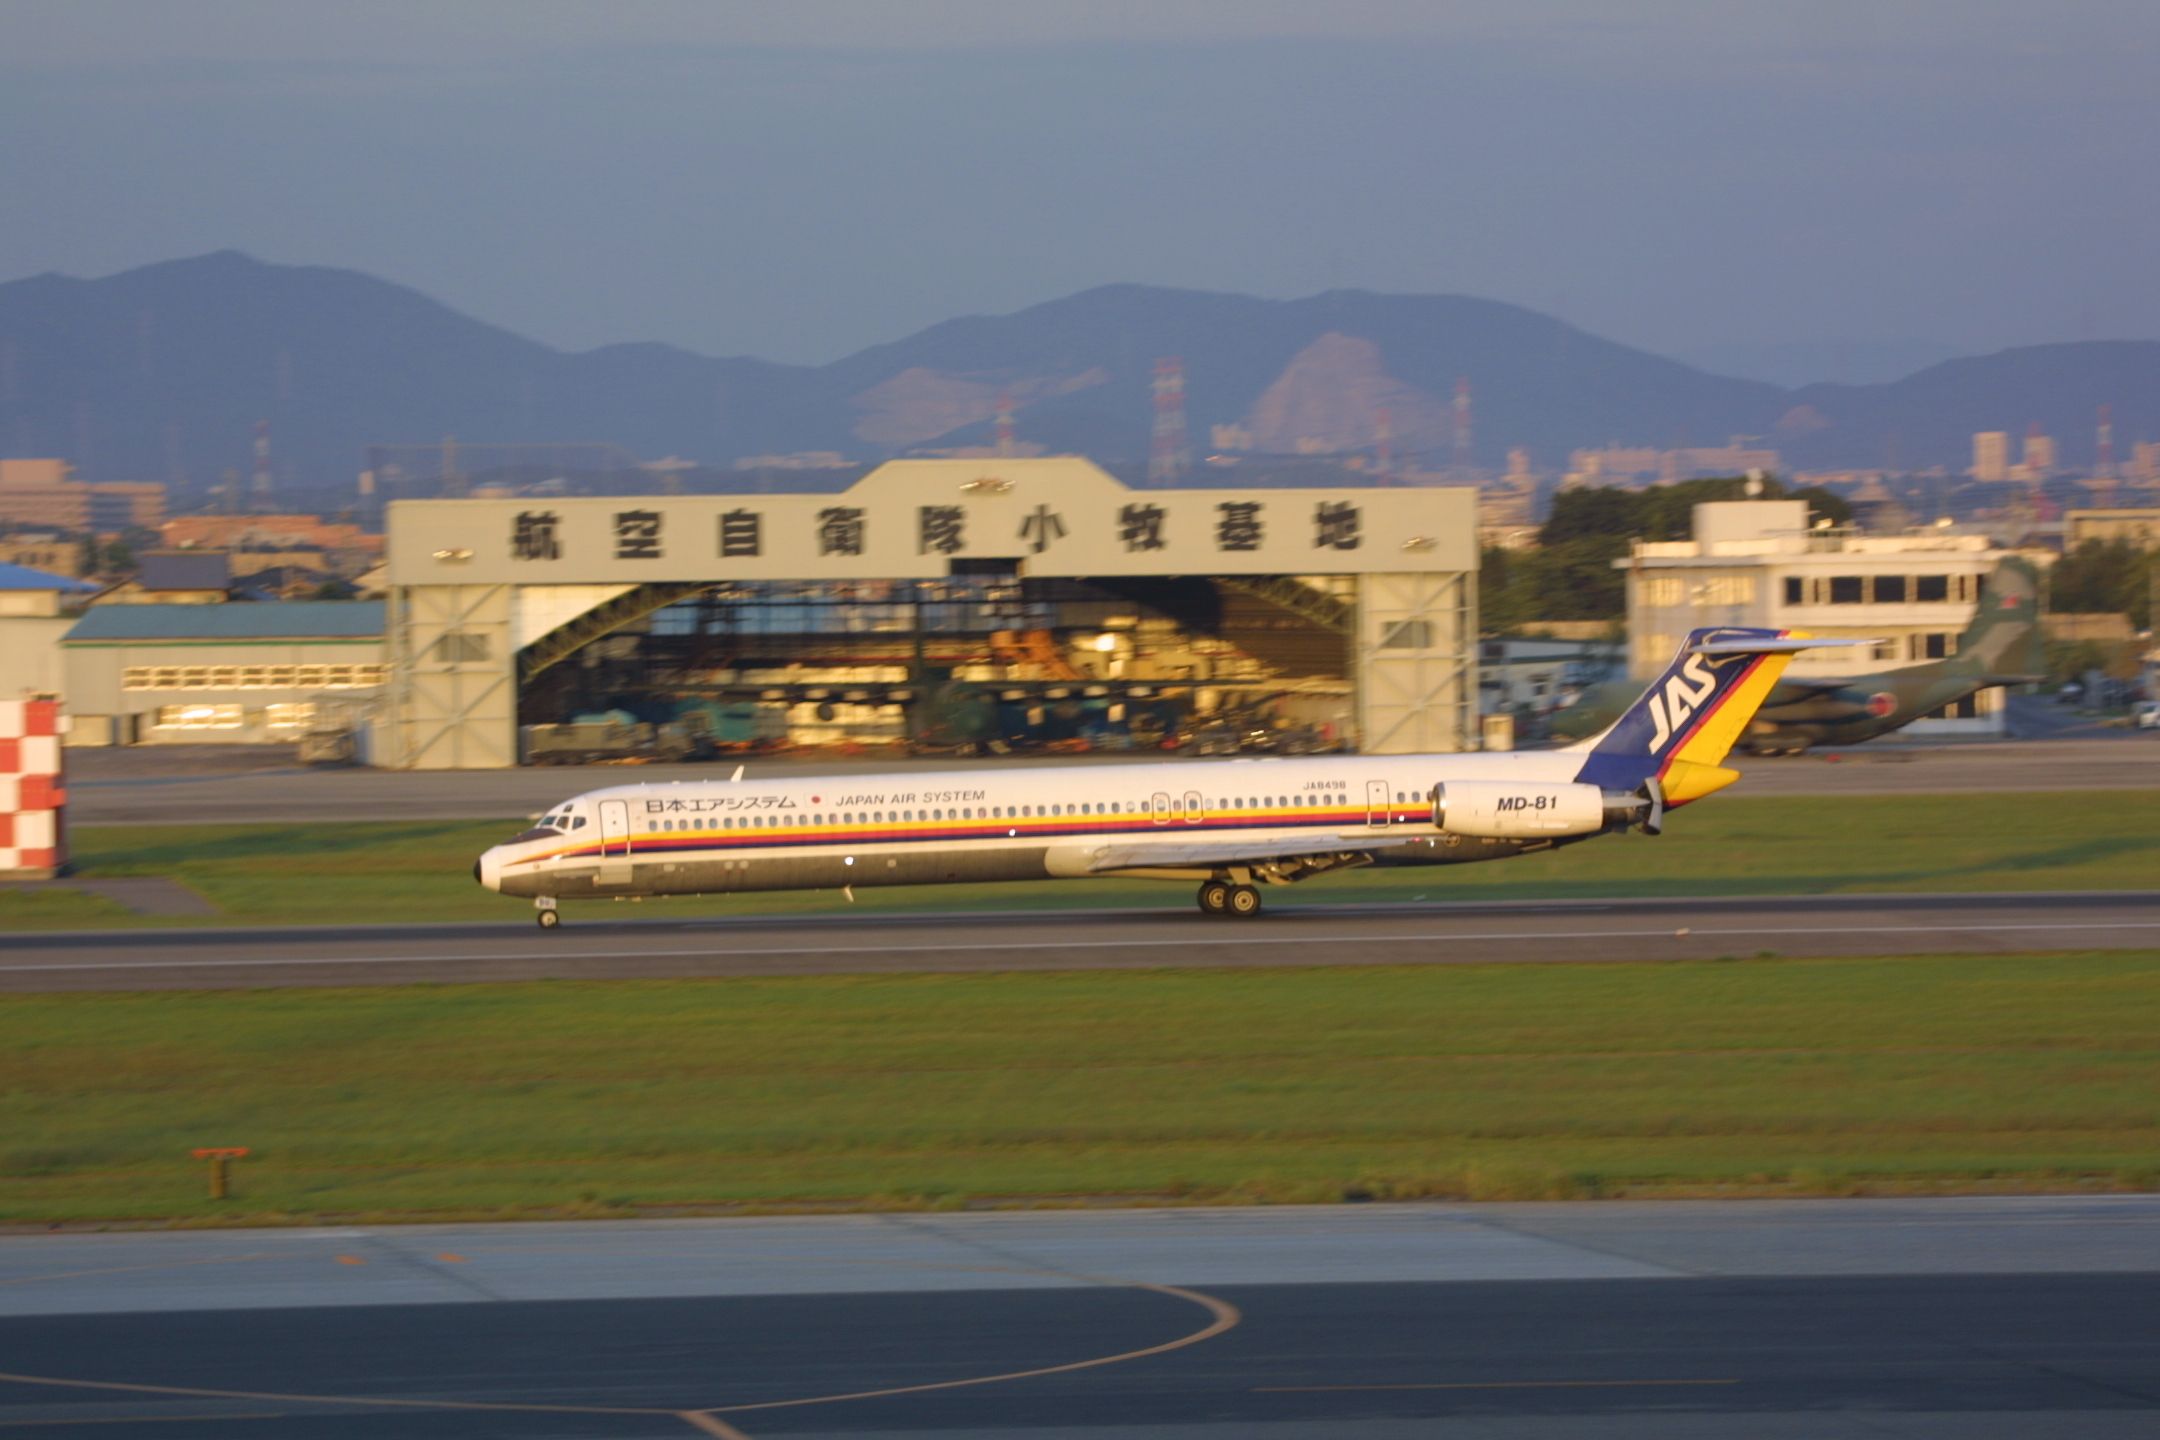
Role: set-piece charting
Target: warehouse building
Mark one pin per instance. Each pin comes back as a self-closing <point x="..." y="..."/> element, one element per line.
<point x="223" y="674"/>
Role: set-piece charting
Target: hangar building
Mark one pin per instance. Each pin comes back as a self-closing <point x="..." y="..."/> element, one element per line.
<point x="928" y="601"/>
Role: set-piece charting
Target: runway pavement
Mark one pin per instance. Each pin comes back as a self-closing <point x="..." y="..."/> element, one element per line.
<point x="173" y="785"/>
<point x="1982" y="1319"/>
<point x="596" y="943"/>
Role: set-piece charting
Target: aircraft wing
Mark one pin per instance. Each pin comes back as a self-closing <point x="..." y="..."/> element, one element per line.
<point x="1789" y="692"/>
<point x="1108" y="859"/>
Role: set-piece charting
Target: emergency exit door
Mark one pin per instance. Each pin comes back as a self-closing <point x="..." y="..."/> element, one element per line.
<point x="614" y="843"/>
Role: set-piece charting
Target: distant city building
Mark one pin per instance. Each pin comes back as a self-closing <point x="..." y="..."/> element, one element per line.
<point x="44" y="492"/>
<point x="2039" y="461"/>
<point x="1507" y="505"/>
<point x="2145" y="462"/>
<point x="1759" y="562"/>
<point x="798" y="460"/>
<point x="1631" y="465"/>
<point x="53" y="554"/>
<point x="1991" y="455"/>
<point x="266" y="532"/>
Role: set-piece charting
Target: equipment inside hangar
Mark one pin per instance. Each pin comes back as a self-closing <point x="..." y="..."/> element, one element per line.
<point x="944" y="605"/>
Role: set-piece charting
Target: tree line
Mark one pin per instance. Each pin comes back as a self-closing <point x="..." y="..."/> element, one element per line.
<point x="2105" y="577"/>
<point x="1570" y="576"/>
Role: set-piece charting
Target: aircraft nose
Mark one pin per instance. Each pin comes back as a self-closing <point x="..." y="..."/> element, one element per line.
<point x="488" y="869"/>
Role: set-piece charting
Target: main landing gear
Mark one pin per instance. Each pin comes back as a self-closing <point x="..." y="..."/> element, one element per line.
<point x="1220" y="897"/>
<point x="548" y="917"/>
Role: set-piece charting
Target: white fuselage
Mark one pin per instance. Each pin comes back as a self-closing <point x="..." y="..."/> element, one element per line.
<point x="993" y="822"/>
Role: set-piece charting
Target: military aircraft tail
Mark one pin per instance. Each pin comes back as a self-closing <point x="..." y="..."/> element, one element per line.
<point x="2004" y="641"/>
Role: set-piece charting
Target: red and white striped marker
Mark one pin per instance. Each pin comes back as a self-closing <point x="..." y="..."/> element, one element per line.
<point x="33" y="796"/>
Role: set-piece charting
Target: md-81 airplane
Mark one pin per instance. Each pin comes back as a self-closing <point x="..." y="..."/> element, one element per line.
<point x="1231" y="825"/>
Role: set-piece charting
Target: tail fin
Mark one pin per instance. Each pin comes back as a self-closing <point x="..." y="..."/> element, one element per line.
<point x="2004" y="638"/>
<point x="1671" y="741"/>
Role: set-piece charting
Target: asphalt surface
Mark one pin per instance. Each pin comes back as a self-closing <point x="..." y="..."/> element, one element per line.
<point x="594" y="944"/>
<point x="1919" y="1318"/>
<point x="176" y="785"/>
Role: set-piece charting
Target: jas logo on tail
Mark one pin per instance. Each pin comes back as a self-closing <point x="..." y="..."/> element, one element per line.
<point x="1671" y="709"/>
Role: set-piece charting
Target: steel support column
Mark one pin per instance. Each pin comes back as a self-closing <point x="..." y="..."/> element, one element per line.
<point x="1415" y="663"/>
<point x="454" y="688"/>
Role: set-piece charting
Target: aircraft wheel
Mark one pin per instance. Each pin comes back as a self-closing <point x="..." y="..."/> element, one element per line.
<point x="1244" y="901"/>
<point x="549" y="919"/>
<point x="1214" y="898"/>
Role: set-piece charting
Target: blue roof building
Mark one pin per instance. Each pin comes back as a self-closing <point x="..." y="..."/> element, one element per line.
<point x="223" y="674"/>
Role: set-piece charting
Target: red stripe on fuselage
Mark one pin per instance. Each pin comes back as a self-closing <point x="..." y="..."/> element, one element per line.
<point x="1024" y="829"/>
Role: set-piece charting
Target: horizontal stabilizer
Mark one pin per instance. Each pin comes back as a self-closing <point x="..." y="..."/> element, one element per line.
<point x="1790" y="645"/>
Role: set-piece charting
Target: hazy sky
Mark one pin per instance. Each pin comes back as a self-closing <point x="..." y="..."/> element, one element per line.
<point x="796" y="180"/>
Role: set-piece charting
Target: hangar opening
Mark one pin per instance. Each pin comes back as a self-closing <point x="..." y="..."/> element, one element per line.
<point x="986" y="660"/>
<point x="950" y="606"/>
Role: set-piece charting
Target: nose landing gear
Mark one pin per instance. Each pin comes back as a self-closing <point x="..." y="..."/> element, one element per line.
<point x="548" y="916"/>
<point x="1220" y="897"/>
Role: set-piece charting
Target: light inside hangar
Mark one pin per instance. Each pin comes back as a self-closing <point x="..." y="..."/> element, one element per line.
<point x="942" y="603"/>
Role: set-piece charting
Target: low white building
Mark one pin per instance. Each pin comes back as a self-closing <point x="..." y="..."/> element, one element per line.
<point x="1759" y="562"/>
<point x="1531" y="677"/>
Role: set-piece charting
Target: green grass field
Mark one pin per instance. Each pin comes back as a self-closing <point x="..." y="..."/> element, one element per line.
<point x="350" y="873"/>
<point x="1746" y="1076"/>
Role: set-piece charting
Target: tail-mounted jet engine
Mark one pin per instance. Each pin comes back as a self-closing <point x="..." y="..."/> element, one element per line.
<point x="1502" y="810"/>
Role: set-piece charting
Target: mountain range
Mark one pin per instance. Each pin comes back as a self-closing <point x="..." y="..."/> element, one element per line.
<point x="164" y="371"/>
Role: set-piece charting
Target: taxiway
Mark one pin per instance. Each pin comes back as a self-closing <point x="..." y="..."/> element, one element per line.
<point x="1981" y="1319"/>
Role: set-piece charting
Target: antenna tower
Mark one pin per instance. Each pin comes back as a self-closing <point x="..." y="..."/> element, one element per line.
<point x="1004" y="423"/>
<point x="1167" y="456"/>
<point x="259" y="483"/>
<point x="1463" y="448"/>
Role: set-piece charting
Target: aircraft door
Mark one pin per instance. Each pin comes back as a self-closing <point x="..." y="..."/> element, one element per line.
<point x="1194" y="811"/>
<point x="614" y="827"/>
<point x="1162" y="807"/>
<point x="1379" y="807"/>
<point x="614" y="843"/>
